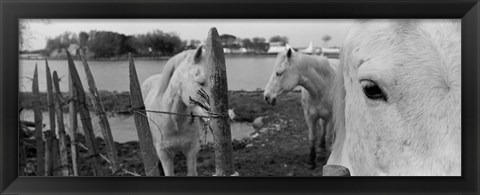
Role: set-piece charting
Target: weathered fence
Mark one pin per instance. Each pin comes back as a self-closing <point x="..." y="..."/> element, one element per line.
<point x="38" y="125"/>
<point x="72" y="110"/>
<point x="57" y="152"/>
<point x="49" y="136"/>
<point x="222" y="137"/>
<point x="61" y="127"/>
<point x="149" y="156"/>
<point x="103" y="121"/>
<point x="86" y="120"/>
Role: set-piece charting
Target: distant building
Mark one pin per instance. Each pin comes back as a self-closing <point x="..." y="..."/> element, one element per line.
<point x="232" y="44"/>
<point x="228" y="40"/>
<point x="276" y="47"/>
<point x="311" y="49"/>
<point x="73" y="49"/>
<point x="331" y="52"/>
<point x="32" y="56"/>
<point x="235" y="50"/>
<point x="323" y="51"/>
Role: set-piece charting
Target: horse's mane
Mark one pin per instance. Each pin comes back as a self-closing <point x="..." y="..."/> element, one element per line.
<point x="327" y="70"/>
<point x="338" y="96"/>
<point x="170" y="68"/>
<point x="338" y="110"/>
<point x="314" y="62"/>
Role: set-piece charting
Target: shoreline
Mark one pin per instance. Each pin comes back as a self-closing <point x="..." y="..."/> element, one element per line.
<point x="145" y="58"/>
<point x="119" y="103"/>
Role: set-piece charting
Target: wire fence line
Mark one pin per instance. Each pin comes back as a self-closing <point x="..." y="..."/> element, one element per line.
<point x="202" y="100"/>
<point x="135" y="110"/>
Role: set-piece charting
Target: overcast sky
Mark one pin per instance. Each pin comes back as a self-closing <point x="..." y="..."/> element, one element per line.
<point x="299" y="32"/>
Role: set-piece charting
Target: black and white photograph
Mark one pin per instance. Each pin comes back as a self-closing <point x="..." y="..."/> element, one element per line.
<point x="240" y="97"/>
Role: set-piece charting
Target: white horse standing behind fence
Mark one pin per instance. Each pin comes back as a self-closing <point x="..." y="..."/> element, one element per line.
<point x="397" y="107"/>
<point x="315" y="75"/>
<point x="181" y="78"/>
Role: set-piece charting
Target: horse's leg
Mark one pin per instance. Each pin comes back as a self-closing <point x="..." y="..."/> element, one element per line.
<point x="166" y="158"/>
<point x="329" y="135"/>
<point x="312" y="136"/>
<point x="191" y="155"/>
<point x="323" y="134"/>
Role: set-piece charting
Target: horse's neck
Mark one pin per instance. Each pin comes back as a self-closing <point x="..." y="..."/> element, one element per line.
<point x="172" y="99"/>
<point x="315" y="77"/>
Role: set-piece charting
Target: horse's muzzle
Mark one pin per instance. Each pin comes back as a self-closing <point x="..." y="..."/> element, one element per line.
<point x="335" y="170"/>
<point x="270" y="100"/>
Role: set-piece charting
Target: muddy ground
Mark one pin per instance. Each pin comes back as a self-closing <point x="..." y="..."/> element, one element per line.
<point x="280" y="149"/>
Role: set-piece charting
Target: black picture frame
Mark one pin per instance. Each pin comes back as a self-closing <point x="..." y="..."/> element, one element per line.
<point x="12" y="10"/>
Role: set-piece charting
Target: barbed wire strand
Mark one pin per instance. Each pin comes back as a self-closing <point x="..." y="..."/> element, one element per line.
<point x="144" y="115"/>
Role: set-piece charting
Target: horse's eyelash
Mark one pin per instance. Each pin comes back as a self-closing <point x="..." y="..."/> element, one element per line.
<point x="371" y="83"/>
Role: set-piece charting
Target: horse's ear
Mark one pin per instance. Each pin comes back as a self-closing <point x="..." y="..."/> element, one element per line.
<point x="198" y="54"/>
<point x="289" y="52"/>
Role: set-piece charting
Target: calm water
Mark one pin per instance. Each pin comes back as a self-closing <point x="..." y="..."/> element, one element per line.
<point x="124" y="130"/>
<point x="244" y="73"/>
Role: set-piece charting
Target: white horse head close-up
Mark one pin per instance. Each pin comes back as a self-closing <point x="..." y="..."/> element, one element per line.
<point x="182" y="77"/>
<point x="397" y="109"/>
<point x="315" y="76"/>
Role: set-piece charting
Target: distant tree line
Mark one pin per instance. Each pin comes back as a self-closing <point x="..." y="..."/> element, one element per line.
<point x="106" y="44"/>
<point x="109" y="44"/>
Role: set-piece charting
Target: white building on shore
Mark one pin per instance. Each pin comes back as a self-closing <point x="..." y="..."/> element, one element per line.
<point x="276" y="47"/>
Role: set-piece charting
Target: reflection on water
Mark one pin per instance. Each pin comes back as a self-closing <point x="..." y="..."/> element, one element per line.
<point x="244" y="73"/>
<point x="123" y="127"/>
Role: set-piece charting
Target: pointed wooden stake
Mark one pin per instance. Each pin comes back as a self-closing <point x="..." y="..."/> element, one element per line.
<point x="149" y="156"/>
<point x="49" y="136"/>
<point x="103" y="120"/>
<point x="72" y="110"/>
<point x="38" y="125"/>
<point x="52" y="132"/>
<point x="222" y="137"/>
<point x="62" y="140"/>
<point x="86" y="120"/>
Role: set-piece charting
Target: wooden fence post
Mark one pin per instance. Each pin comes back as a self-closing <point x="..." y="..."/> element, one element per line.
<point x="103" y="120"/>
<point x="94" y="156"/>
<point x="22" y="157"/>
<point x="62" y="140"/>
<point x="55" y="156"/>
<point x="149" y="156"/>
<point x="51" y="111"/>
<point x="72" y="110"/>
<point x="38" y="125"/>
<point x="222" y="137"/>
<point x="49" y="135"/>
<point x="50" y="99"/>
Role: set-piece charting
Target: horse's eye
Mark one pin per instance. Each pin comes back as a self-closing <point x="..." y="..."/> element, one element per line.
<point x="202" y="84"/>
<point x="279" y="74"/>
<point x="372" y="90"/>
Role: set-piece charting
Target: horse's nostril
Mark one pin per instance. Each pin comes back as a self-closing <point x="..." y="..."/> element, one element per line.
<point x="266" y="99"/>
